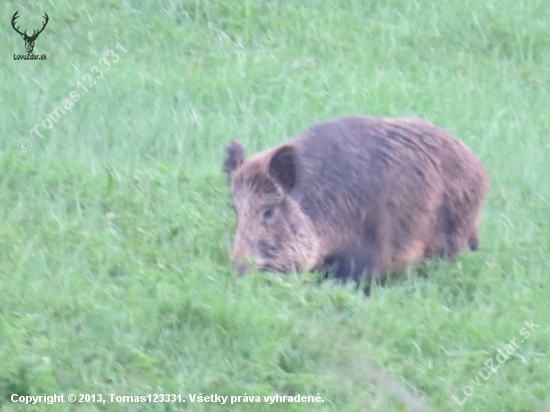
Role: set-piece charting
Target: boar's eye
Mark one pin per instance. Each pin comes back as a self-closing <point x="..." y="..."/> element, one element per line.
<point x="268" y="214"/>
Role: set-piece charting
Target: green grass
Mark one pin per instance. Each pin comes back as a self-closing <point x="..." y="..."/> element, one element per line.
<point x="116" y="226"/>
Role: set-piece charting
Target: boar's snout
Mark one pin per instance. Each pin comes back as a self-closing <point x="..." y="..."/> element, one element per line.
<point x="240" y="268"/>
<point x="244" y="258"/>
<point x="240" y="261"/>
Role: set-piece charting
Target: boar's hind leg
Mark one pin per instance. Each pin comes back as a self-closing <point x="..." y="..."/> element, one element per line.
<point x="455" y="232"/>
<point x="473" y="242"/>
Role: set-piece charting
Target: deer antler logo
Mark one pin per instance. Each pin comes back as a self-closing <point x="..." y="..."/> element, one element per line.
<point x="29" y="40"/>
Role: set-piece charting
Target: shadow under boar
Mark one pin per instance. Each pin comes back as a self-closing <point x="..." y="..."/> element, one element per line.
<point x="357" y="196"/>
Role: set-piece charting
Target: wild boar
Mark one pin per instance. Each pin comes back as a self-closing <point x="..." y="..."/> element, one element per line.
<point x="356" y="196"/>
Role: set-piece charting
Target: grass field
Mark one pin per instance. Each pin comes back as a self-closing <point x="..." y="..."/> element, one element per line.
<point x="116" y="225"/>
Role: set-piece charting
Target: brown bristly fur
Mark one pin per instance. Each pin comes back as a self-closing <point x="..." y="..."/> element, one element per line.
<point x="361" y="196"/>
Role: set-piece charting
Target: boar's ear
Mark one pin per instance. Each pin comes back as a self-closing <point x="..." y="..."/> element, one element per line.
<point x="282" y="167"/>
<point x="234" y="157"/>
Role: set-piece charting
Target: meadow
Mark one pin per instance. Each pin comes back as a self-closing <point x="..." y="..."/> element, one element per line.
<point x="116" y="222"/>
